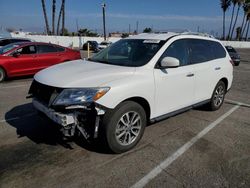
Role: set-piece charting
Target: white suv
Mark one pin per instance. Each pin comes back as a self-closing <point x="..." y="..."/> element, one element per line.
<point x="141" y="79"/>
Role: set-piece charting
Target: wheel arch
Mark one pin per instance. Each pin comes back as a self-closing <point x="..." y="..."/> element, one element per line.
<point x="5" y="71"/>
<point x="143" y="102"/>
<point x="225" y="80"/>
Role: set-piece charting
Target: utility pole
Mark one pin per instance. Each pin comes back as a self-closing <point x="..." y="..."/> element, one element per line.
<point x="137" y="26"/>
<point x="104" y="20"/>
<point x="129" y="28"/>
<point x="77" y="26"/>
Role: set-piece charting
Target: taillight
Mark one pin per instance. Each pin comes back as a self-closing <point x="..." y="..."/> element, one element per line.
<point x="232" y="62"/>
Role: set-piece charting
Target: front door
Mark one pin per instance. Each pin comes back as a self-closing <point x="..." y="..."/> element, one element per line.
<point x="175" y="86"/>
<point x="25" y="63"/>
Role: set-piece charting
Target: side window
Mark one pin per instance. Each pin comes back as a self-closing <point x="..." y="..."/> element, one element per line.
<point x="27" y="50"/>
<point x="41" y="49"/>
<point x="218" y="50"/>
<point x="60" y="49"/>
<point x="178" y="50"/>
<point x="200" y="51"/>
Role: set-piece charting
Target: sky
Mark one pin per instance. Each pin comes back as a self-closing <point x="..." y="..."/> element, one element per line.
<point x="161" y="15"/>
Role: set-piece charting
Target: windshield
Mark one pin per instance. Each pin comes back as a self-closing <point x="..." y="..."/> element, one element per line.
<point x="8" y="48"/>
<point x="129" y="52"/>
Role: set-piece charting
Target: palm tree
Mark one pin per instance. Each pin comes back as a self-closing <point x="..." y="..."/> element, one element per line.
<point x="240" y="2"/>
<point x="53" y="16"/>
<point x="232" y="17"/>
<point x="45" y="17"/>
<point x="225" y="4"/>
<point x="246" y="6"/>
<point x="63" y="16"/>
<point x="248" y="25"/>
<point x="243" y="21"/>
<point x="59" y="20"/>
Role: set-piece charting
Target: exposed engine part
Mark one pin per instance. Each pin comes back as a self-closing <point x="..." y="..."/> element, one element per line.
<point x="68" y="130"/>
<point x="97" y="123"/>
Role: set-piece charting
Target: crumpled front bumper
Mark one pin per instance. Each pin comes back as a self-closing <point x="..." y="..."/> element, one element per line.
<point x="59" y="118"/>
<point x="85" y="119"/>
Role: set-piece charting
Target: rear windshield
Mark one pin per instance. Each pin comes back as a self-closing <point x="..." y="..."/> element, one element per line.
<point x="230" y="49"/>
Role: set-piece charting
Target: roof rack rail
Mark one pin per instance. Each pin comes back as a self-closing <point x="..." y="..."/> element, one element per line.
<point x="198" y="34"/>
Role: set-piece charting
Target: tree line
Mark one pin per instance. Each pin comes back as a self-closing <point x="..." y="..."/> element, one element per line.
<point x="241" y="31"/>
<point x="60" y="29"/>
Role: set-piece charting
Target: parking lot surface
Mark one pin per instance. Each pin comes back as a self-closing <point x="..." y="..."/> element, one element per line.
<point x="197" y="148"/>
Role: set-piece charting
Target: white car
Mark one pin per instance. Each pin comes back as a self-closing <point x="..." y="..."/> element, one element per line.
<point x="104" y="44"/>
<point x="141" y="79"/>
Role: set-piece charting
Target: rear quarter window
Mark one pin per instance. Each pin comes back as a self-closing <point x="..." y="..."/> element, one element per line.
<point x="60" y="49"/>
<point x="218" y="50"/>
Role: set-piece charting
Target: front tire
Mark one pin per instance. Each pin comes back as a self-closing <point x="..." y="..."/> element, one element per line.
<point x="218" y="96"/>
<point x="124" y="126"/>
<point x="2" y="75"/>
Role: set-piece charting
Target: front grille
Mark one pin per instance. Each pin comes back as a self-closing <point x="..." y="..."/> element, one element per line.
<point x="43" y="93"/>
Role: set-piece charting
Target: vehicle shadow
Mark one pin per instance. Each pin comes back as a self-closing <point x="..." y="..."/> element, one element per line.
<point x="19" y="78"/>
<point x="40" y="130"/>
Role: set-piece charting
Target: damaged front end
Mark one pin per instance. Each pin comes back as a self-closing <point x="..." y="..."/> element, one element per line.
<point x="74" y="109"/>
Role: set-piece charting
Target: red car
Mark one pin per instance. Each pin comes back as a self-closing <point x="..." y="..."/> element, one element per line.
<point x="28" y="58"/>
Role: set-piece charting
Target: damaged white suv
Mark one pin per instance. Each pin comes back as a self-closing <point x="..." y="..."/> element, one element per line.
<point x="141" y="79"/>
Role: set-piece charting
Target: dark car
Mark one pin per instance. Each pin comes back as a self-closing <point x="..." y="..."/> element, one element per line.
<point x="20" y="59"/>
<point x="6" y="41"/>
<point x="93" y="46"/>
<point x="234" y="55"/>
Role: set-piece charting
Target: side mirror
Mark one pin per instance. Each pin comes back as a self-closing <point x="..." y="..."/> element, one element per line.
<point x="169" y="62"/>
<point x="16" y="54"/>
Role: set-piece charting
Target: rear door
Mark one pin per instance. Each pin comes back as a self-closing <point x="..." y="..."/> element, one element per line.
<point x="207" y="67"/>
<point x="25" y="63"/>
<point x="175" y="86"/>
<point x="47" y="55"/>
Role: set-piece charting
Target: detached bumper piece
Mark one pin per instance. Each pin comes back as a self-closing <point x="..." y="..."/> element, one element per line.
<point x="83" y="120"/>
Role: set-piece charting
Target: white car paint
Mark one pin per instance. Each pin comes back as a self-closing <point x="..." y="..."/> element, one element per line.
<point x="81" y="73"/>
<point x="165" y="90"/>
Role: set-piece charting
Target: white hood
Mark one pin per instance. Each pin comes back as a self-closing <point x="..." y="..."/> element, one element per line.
<point x="80" y="73"/>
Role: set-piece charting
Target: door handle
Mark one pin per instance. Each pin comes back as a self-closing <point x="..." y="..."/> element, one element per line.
<point x="190" y="74"/>
<point x="217" y="68"/>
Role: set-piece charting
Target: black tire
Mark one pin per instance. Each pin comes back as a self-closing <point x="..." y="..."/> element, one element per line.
<point x="236" y="64"/>
<point x="218" y="96"/>
<point x="112" y="124"/>
<point x="2" y="75"/>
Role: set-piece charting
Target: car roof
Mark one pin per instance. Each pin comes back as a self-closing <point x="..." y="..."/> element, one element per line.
<point x="37" y="43"/>
<point x="168" y="35"/>
<point x="153" y="36"/>
<point x="8" y="38"/>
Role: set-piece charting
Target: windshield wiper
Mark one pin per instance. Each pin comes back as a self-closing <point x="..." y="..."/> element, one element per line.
<point x="99" y="61"/>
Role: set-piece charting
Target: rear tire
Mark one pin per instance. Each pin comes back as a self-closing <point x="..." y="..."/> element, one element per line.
<point x="124" y="126"/>
<point x="218" y="96"/>
<point x="2" y="75"/>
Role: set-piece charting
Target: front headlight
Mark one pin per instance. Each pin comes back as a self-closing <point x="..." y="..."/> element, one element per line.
<point x="79" y="96"/>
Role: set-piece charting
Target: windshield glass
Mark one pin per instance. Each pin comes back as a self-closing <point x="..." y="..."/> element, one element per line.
<point x="8" y="48"/>
<point x="129" y="52"/>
